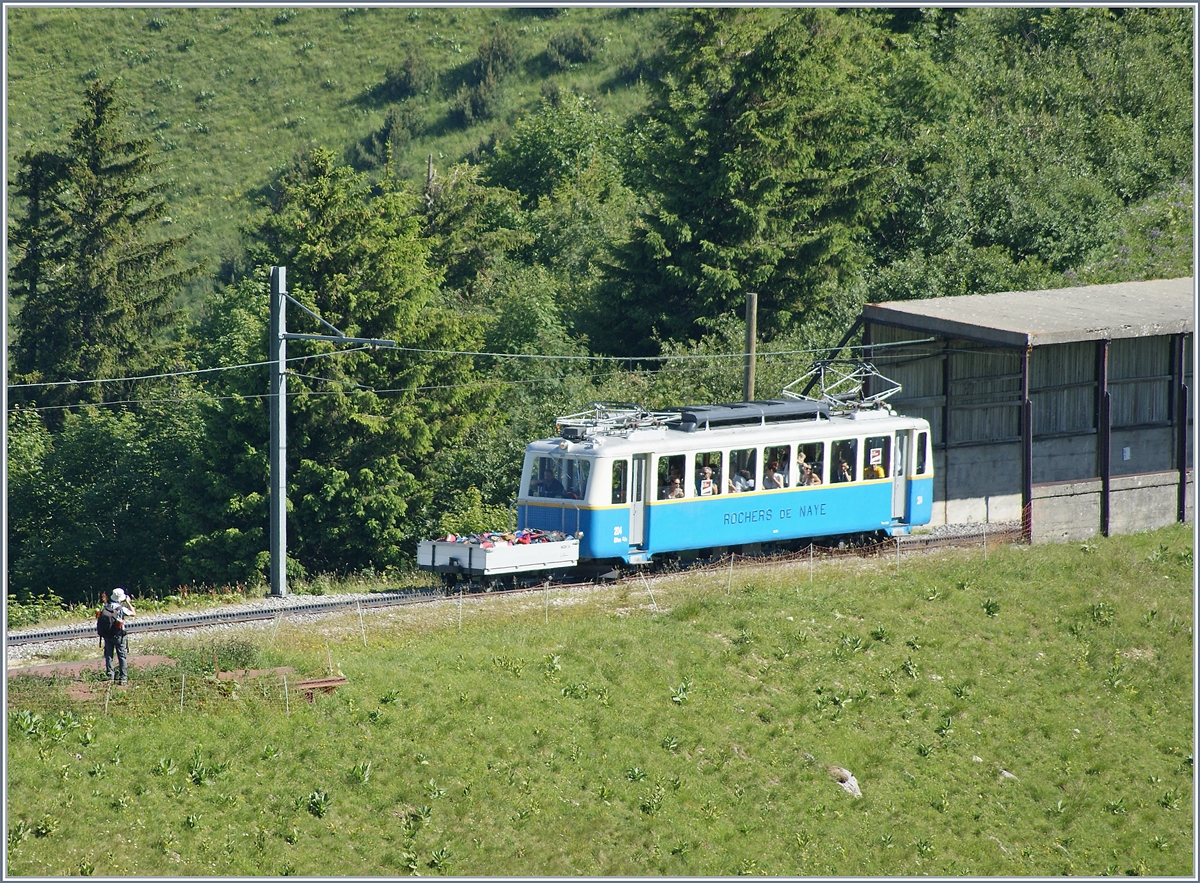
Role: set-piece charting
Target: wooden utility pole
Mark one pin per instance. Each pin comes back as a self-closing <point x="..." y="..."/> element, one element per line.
<point x="751" y="343"/>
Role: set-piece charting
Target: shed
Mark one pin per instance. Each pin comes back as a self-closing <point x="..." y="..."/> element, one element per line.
<point x="1069" y="408"/>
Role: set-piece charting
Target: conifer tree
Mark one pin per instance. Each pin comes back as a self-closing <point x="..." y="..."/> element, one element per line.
<point x="94" y="278"/>
<point x="758" y="154"/>
<point x="361" y="425"/>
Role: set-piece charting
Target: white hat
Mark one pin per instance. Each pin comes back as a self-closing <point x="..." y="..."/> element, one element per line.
<point x="118" y="594"/>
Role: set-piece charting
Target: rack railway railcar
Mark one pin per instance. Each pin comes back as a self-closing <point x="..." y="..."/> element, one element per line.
<point x="632" y="484"/>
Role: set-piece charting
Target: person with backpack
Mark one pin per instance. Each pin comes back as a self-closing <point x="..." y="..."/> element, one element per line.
<point x="110" y="626"/>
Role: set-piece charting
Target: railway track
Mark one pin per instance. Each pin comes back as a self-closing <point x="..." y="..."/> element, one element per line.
<point x="296" y="606"/>
<point x="201" y="619"/>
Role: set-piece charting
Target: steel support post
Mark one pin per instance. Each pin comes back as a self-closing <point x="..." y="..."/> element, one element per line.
<point x="868" y="356"/>
<point x="1026" y="451"/>
<point x="1104" y="435"/>
<point x="1181" y="424"/>
<point x="277" y="496"/>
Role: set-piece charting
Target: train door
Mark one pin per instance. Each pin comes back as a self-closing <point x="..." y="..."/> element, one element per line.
<point x="900" y="477"/>
<point x="637" y="502"/>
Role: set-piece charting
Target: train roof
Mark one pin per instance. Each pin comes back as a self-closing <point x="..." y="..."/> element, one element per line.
<point x="612" y="432"/>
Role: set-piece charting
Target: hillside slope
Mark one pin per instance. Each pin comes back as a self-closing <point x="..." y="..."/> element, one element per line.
<point x="233" y="95"/>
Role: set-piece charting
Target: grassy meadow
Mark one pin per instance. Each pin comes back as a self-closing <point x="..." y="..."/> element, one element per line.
<point x="1027" y="714"/>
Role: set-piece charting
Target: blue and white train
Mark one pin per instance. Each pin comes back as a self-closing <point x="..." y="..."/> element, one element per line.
<point x="632" y="485"/>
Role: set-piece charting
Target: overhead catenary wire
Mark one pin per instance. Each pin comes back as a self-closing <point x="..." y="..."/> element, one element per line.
<point x="168" y="375"/>
<point x="361" y="390"/>
<point x="292" y="394"/>
<point x="190" y="372"/>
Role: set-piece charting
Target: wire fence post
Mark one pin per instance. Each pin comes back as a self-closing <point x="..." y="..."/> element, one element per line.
<point x="985" y="541"/>
<point x="360" y="623"/>
<point x="287" y="705"/>
<point x="182" y="687"/>
<point x="729" y="584"/>
<point x="810" y="562"/>
<point x="648" y="590"/>
<point x="329" y="656"/>
<point x="107" y="693"/>
<point x="897" y="556"/>
<point x="278" y="620"/>
<point x="460" y="610"/>
<point x="546" y="593"/>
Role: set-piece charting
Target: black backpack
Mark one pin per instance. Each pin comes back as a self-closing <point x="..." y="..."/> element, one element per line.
<point x="108" y="623"/>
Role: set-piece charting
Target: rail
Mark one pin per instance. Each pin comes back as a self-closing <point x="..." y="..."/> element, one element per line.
<point x="176" y="621"/>
<point x="171" y="622"/>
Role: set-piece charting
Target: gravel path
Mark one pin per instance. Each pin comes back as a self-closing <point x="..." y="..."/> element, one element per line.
<point x="971" y="529"/>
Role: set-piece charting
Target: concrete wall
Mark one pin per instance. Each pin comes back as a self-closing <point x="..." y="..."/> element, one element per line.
<point x="1071" y="458"/>
<point x="1069" y="511"/>
<point x="1066" y="511"/>
<point x="1150" y="450"/>
<point x="977" y="483"/>
<point x="1146" y="501"/>
<point x="983" y="484"/>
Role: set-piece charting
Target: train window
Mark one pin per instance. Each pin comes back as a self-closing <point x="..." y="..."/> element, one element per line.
<point x="708" y="474"/>
<point x="559" y="477"/>
<point x="620" y="481"/>
<point x="777" y="466"/>
<point x="922" y="440"/>
<point x="577" y="478"/>
<point x="741" y="470"/>
<point x="811" y="460"/>
<point x="843" y="464"/>
<point x="878" y="457"/>
<point x="670" y="477"/>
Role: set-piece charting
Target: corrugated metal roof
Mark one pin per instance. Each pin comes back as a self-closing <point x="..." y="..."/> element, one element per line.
<point x="731" y="413"/>
<point x="1041" y="318"/>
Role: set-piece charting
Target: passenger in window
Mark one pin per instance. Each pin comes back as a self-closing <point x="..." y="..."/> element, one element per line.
<point x="548" y="485"/>
<point x="772" y="480"/>
<point x="874" y="471"/>
<point x="842" y="472"/>
<point x="809" y="476"/>
<point x="741" y="482"/>
<point x="674" y="490"/>
<point x="706" y="485"/>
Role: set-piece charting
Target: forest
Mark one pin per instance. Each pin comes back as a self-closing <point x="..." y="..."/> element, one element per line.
<point x="543" y="208"/>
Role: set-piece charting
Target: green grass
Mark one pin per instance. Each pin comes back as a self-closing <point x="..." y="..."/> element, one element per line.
<point x="1047" y="733"/>
<point x="231" y="96"/>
